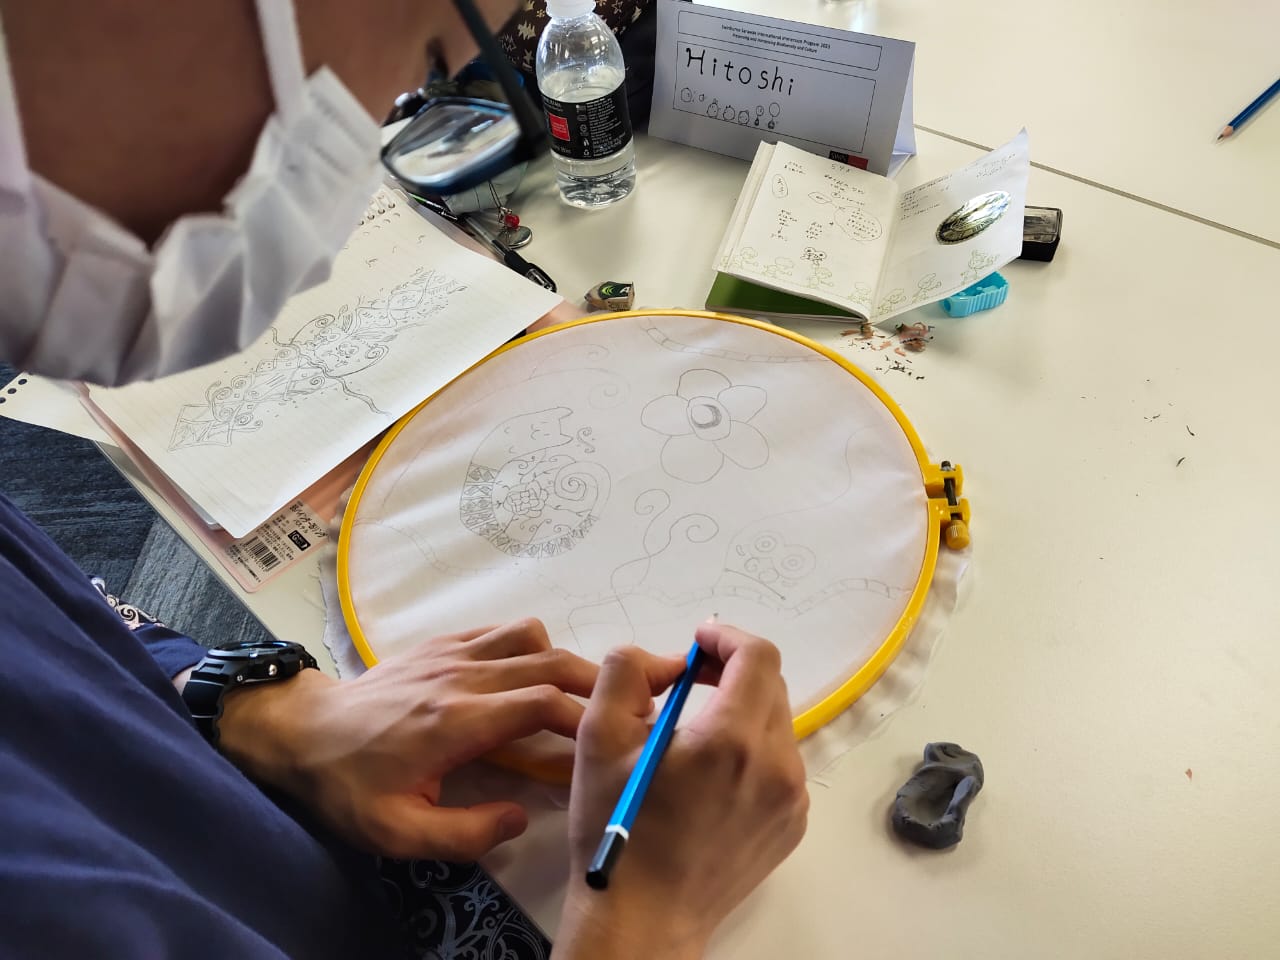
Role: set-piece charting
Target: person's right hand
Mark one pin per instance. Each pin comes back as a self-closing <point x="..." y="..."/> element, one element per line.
<point x="728" y="802"/>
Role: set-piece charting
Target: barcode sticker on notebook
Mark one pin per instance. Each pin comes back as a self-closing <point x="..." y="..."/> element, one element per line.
<point x="261" y="553"/>
<point x="274" y="546"/>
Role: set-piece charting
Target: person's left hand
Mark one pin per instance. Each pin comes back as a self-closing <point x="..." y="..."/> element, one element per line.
<point x="369" y="754"/>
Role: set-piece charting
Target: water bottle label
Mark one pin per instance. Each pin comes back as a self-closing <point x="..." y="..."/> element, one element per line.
<point x="591" y="129"/>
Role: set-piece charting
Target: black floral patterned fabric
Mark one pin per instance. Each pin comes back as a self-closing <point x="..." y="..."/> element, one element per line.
<point x="456" y="911"/>
<point x="519" y="37"/>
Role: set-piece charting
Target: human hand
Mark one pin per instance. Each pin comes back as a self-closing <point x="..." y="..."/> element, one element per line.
<point x="728" y="802"/>
<point x="368" y="755"/>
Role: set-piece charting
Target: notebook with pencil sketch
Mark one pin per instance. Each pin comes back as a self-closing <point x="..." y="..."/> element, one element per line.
<point x="814" y="237"/>
<point x="405" y="310"/>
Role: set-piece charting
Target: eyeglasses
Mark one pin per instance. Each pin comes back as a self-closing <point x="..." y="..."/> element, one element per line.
<point x="454" y="143"/>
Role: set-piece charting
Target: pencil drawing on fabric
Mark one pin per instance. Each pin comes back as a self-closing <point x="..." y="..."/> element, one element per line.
<point x="705" y="423"/>
<point x="618" y="478"/>
<point x="659" y="336"/>
<point x="526" y="492"/>
<point x="646" y="578"/>
<point x="760" y="564"/>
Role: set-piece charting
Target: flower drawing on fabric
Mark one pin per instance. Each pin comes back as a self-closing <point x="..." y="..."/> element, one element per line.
<point x="706" y="423"/>
<point x="521" y="500"/>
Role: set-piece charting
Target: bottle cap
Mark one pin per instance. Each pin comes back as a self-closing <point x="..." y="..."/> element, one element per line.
<point x="564" y="9"/>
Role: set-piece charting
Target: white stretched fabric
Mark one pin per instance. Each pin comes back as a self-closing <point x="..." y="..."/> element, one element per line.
<point x="583" y="478"/>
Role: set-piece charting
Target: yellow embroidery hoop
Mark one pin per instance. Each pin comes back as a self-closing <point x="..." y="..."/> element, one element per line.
<point x="947" y="520"/>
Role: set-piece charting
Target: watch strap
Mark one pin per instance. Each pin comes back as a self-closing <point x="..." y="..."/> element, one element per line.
<point x="232" y="665"/>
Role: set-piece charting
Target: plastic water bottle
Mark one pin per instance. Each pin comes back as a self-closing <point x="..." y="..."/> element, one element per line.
<point x="582" y="78"/>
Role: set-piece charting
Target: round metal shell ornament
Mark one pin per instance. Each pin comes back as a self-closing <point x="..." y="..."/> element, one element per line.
<point x="974" y="217"/>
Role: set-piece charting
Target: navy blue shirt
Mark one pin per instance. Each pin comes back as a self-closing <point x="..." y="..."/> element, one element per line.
<point x="122" y="832"/>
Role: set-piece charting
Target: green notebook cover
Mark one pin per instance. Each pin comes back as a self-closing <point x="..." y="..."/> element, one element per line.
<point x="733" y="295"/>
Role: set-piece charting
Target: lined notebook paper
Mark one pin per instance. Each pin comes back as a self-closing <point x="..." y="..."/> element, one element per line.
<point x="405" y="311"/>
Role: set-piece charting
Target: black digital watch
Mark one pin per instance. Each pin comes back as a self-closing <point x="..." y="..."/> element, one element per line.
<point x="230" y="665"/>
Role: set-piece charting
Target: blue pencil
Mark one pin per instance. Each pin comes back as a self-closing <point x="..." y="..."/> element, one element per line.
<point x="1250" y="110"/>
<point x="624" y="814"/>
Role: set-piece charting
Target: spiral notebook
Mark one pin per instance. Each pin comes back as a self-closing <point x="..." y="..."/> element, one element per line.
<point x="405" y="311"/>
<point x="254" y="452"/>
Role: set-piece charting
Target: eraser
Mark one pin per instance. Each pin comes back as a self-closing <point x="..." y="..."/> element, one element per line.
<point x="930" y="808"/>
<point x="611" y="295"/>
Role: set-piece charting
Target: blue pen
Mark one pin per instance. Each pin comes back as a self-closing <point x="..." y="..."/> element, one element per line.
<point x="624" y="814"/>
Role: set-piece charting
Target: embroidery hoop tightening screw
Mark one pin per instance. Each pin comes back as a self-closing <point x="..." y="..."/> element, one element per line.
<point x="957" y="532"/>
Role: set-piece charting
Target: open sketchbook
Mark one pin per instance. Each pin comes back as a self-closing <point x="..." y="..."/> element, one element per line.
<point x="820" y="230"/>
<point x="405" y="310"/>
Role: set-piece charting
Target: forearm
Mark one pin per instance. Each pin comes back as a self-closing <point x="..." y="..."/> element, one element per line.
<point x="262" y="725"/>
<point x="263" y="728"/>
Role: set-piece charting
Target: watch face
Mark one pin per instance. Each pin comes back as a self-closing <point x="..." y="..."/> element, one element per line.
<point x="291" y="656"/>
<point x="256" y="646"/>
<point x="233" y="664"/>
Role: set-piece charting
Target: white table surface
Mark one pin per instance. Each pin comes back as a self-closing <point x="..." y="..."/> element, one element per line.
<point x="1127" y="95"/>
<point x="1122" y="629"/>
<point x="1116" y="662"/>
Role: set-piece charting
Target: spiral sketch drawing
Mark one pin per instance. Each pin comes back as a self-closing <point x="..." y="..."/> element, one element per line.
<point x="689" y="559"/>
<point x="526" y="491"/>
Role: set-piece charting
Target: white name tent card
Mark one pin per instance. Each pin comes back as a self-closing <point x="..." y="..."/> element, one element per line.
<point x="725" y="81"/>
